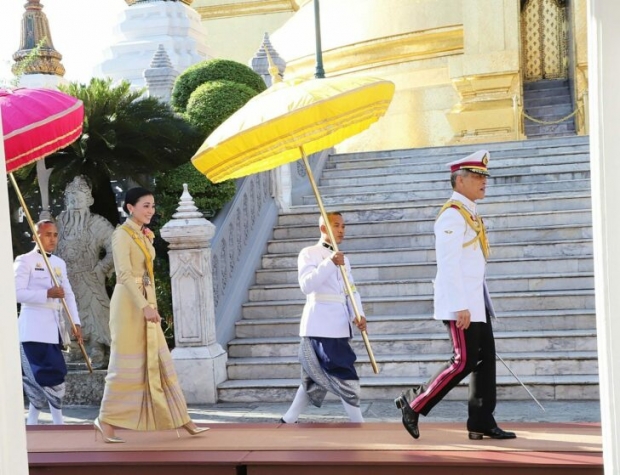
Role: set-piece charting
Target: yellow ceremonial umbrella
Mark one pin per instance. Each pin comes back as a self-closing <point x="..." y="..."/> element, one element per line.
<point x="288" y="121"/>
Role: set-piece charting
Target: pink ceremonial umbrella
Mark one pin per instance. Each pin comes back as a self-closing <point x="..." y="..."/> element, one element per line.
<point x="36" y="123"/>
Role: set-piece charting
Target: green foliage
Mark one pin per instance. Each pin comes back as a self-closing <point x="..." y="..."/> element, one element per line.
<point x="208" y="197"/>
<point x="23" y="66"/>
<point x="212" y="70"/>
<point x="213" y="102"/>
<point x="125" y="135"/>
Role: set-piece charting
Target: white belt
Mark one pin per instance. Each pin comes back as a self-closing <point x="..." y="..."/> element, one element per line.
<point x="326" y="298"/>
<point x="50" y="305"/>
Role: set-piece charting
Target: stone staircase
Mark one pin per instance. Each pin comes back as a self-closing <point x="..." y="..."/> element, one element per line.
<point x="537" y="210"/>
<point x="548" y="101"/>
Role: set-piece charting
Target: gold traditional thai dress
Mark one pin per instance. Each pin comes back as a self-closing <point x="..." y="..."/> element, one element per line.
<point x="141" y="390"/>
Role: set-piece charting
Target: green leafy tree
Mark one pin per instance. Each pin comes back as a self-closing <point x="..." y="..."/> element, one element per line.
<point x="213" y="70"/>
<point x="125" y="135"/>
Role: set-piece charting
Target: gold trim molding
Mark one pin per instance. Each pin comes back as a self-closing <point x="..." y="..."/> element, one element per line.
<point x="386" y="51"/>
<point x="257" y="7"/>
<point x="488" y="110"/>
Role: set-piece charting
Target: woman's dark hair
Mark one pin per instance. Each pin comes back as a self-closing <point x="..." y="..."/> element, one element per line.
<point x="133" y="195"/>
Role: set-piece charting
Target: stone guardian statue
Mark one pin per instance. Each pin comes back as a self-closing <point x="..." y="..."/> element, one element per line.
<point x="84" y="242"/>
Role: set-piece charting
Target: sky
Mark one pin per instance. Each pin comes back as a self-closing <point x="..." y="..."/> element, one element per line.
<point x="81" y="31"/>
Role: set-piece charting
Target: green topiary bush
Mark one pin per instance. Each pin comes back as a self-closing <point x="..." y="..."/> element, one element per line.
<point x="208" y="197"/>
<point x="212" y="70"/>
<point x="213" y="102"/>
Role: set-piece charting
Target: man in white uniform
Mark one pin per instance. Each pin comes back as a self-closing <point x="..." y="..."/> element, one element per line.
<point x="41" y="324"/>
<point x="327" y="359"/>
<point x="463" y="303"/>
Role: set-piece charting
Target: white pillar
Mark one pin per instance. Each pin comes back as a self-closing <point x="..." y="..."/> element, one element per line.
<point x="200" y="361"/>
<point x="604" y="67"/>
<point x="13" y="453"/>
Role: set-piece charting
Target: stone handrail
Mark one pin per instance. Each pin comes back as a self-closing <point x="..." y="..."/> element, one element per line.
<point x="237" y="248"/>
<point x="243" y="228"/>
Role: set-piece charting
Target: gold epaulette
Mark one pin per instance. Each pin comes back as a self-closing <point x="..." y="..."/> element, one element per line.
<point x="474" y="223"/>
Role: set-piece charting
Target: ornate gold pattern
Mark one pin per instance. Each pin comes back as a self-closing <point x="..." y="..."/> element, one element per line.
<point x="257" y="7"/>
<point x="545" y="42"/>
<point x="36" y="34"/>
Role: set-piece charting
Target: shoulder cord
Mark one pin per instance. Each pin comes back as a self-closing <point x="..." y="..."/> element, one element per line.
<point x="476" y="224"/>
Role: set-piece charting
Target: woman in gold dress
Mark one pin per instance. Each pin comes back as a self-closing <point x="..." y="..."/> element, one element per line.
<point x="141" y="389"/>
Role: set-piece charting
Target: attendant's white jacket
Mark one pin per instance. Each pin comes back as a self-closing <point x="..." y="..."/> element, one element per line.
<point x="39" y="316"/>
<point x="460" y="280"/>
<point x="328" y="311"/>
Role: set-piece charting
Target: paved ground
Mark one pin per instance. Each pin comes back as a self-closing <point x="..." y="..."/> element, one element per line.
<point x="373" y="410"/>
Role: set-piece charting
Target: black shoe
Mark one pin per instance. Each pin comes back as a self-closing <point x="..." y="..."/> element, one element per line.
<point x="410" y="417"/>
<point x="495" y="433"/>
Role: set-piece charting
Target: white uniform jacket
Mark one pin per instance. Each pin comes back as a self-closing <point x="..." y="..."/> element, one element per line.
<point x="39" y="318"/>
<point x="460" y="280"/>
<point x="328" y="312"/>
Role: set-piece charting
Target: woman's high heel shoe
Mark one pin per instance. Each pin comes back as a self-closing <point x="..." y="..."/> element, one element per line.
<point x="194" y="429"/>
<point x="106" y="439"/>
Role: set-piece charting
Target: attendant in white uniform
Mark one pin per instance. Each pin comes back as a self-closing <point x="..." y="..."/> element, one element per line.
<point x="41" y="324"/>
<point x="463" y="303"/>
<point x="326" y="357"/>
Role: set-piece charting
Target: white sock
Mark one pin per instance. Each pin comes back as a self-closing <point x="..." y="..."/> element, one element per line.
<point x="56" y="415"/>
<point x="300" y="402"/>
<point x="33" y="415"/>
<point x="354" y="413"/>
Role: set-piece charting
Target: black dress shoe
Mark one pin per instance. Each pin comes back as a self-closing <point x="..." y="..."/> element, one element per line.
<point x="410" y="417"/>
<point x="495" y="433"/>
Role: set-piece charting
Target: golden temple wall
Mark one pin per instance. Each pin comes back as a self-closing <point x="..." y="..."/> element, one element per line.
<point x="456" y="63"/>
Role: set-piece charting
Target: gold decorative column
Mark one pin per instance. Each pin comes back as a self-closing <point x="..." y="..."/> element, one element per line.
<point x="487" y="75"/>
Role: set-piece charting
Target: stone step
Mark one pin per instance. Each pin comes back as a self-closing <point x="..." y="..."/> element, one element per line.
<point x="402" y="270"/>
<point x="401" y="287"/>
<point x="545" y="84"/>
<point x="570" y="172"/>
<point x="423" y="366"/>
<point x="556" y="387"/>
<point x="565" y="154"/>
<point x="417" y="207"/>
<point x="431" y="171"/>
<point x="439" y="191"/>
<point x="423" y="304"/>
<point x="532" y="129"/>
<point x="549" y="112"/>
<point x="554" y="134"/>
<point x="581" y="319"/>
<point x="530" y="249"/>
<point x="557" y="97"/>
<point x="409" y="234"/>
<point x="376" y="228"/>
<point x="386" y="196"/>
<point x="534" y="147"/>
<point x="533" y="96"/>
<point x="429" y="343"/>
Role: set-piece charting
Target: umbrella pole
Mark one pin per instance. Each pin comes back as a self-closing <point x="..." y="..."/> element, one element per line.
<point x="49" y="265"/>
<point x="343" y="269"/>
